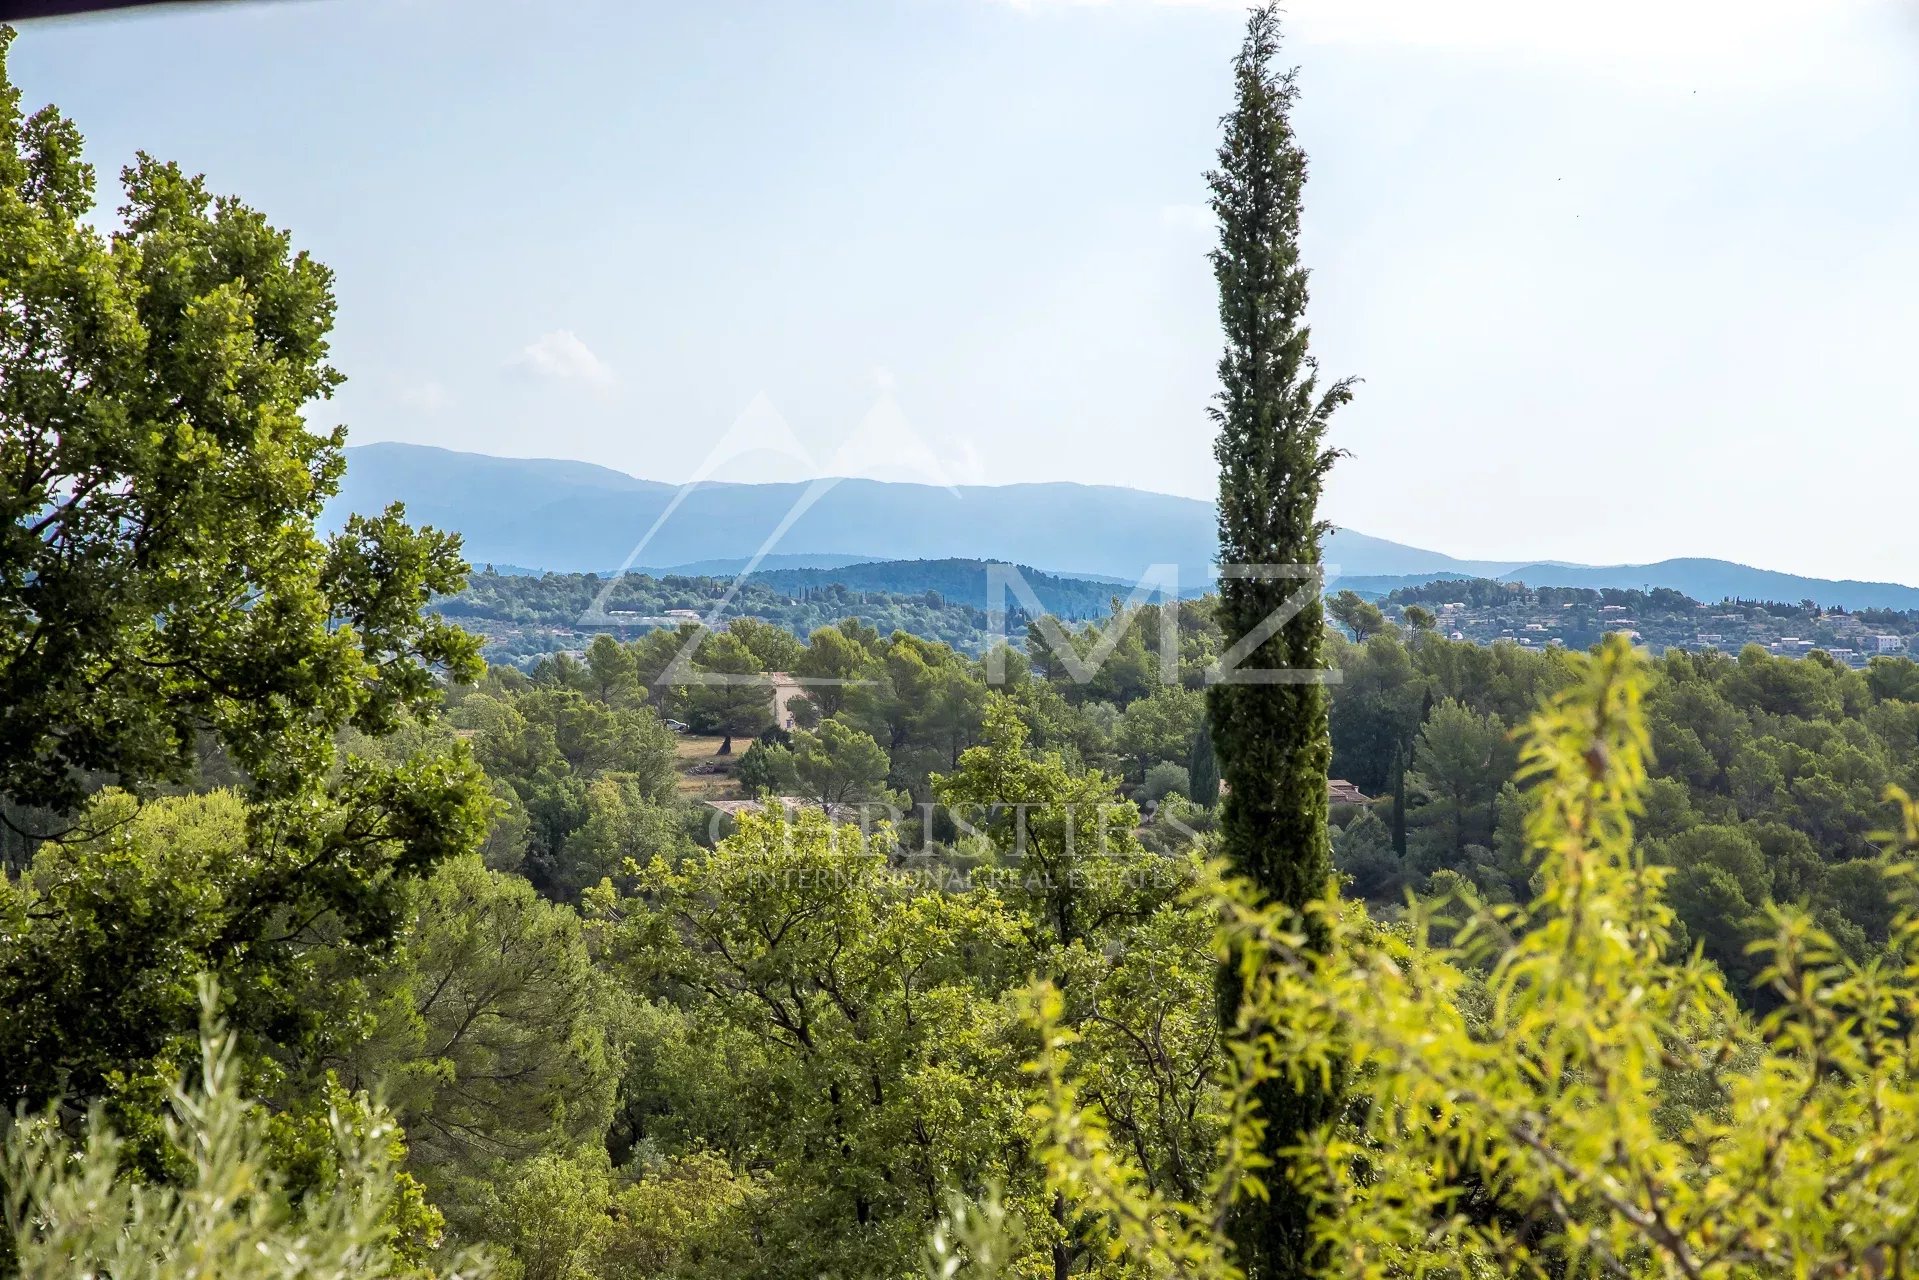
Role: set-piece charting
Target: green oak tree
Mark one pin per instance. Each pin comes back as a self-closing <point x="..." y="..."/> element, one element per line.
<point x="856" y="1005"/>
<point x="161" y="580"/>
<point x="1160" y="728"/>
<point x="168" y="613"/>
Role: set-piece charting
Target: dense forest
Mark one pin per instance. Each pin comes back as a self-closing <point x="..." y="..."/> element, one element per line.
<point x="955" y="581"/>
<point x="328" y="949"/>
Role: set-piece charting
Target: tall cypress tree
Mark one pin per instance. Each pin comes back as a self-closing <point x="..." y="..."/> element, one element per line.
<point x="1272" y="736"/>
<point x="1202" y="768"/>
<point x="1399" y="804"/>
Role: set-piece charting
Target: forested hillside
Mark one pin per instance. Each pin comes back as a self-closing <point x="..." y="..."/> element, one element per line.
<point x="523" y="616"/>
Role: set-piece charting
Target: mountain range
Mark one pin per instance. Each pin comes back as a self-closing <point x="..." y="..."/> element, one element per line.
<point x="551" y="514"/>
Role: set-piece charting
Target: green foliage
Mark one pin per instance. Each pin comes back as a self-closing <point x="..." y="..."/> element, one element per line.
<point x="232" y="1214"/>
<point x="627" y="820"/>
<point x="1202" y="769"/>
<point x="169" y="617"/>
<point x="1148" y="1039"/>
<point x="612" y="670"/>
<point x="773" y="648"/>
<point x="1553" y="1092"/>
<point x="525" y="616"/>
<point x="1651" y="1016"/>
<point x="680" y="1218"/>
<point x="854" y="1004"/>
<point x="838" y="765"/>
<point x="1460" y="762"/>
<point x="1361" y="618"/>
<point x="573" y="1217"/>
<point x="859" y="998"/>
<point x="922" y="702"/>
<point x="98" y="971"/>
<point x="1364" y="855"/>
<point x="951" y="582"/>
<point x="1377" y="711"/>
<point x="723" y="688"/>
<point x="1792" y="755"/>
<point x="971" y="1239"/>
<point x="1166" y="779"/>
<point x="494" y="1038"/>
<point x="550" y="1213"/>
<point x="1160" y="728"/>
<point x="1718" y="892"/>
<point x="1272" y="738"/>
<point x="594" y="781"/>
<point x="832" y="655"/>
<point x="767" y="768"/>
<point x="161" y="579"/>
<point x="1074" y="844"/>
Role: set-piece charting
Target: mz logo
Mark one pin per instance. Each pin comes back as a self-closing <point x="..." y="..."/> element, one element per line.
<point x="1159" y="584"/>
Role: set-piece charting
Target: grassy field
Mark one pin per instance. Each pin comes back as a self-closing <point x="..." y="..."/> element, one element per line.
<point x="696" y="751"/>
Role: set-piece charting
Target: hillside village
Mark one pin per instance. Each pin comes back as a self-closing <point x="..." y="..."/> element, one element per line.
<point x="1485" y="611"/>
<point x="523" y="618"/>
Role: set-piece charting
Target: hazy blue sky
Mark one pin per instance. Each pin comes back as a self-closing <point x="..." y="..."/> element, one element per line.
<point x="1625" y="280"/>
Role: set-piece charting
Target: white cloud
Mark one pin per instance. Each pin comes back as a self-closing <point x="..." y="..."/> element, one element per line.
<point x="561" y="356"/>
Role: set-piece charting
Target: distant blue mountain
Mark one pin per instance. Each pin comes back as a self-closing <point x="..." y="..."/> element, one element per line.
<point x="576" y="517"/>
<point x="767" y="564"/>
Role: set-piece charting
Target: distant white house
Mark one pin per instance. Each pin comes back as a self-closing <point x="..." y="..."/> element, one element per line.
<point x="1338" y="791"/>
<point x="790" y="804"/>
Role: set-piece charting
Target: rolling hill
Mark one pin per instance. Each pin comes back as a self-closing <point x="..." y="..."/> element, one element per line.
<point x="577" y="517"/>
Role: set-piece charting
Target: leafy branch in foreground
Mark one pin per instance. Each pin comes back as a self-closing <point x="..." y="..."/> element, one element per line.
<point x="232" y="1217"/>
<point x="1551" y="1092"/>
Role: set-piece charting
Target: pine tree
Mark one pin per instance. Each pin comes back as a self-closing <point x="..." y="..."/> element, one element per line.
<point x="1272" y="735"/>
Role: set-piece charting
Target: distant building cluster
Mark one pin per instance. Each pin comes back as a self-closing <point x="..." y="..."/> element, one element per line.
<point x="1663" y="620"/>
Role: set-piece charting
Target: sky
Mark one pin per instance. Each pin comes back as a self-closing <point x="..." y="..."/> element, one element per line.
<point x="1623" y="280"/>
